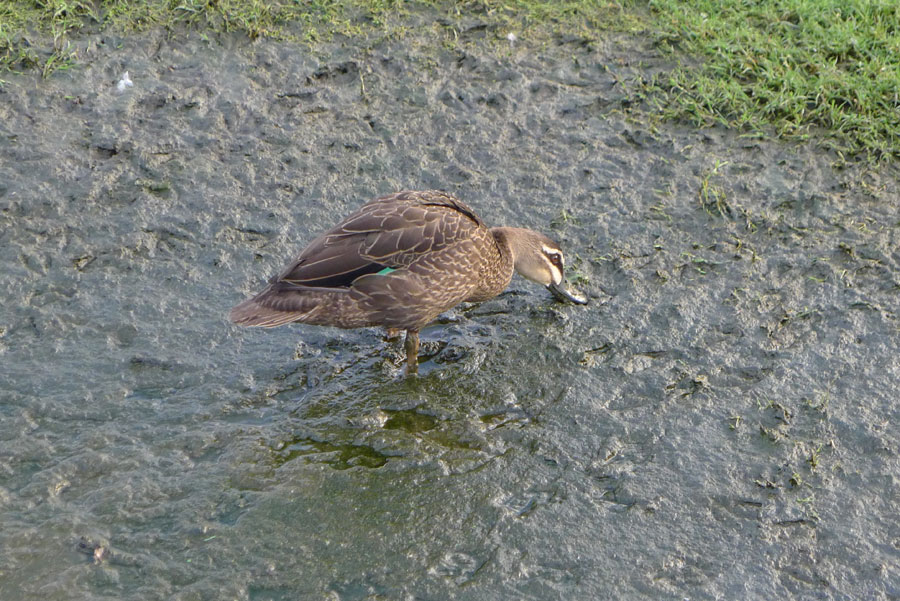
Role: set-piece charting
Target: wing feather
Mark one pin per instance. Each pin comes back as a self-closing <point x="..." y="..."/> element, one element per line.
<point x="417" y="295"/>
<point x="391" y="231"/>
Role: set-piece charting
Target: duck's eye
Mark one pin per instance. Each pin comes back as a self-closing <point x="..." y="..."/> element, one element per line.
<point x="556" y="258"/>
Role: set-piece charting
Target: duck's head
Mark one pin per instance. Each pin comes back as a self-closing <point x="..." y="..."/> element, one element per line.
<point x="540" y="259"/>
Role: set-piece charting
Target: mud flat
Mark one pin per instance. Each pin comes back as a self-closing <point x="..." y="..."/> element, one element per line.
<point x="719" y="423"/>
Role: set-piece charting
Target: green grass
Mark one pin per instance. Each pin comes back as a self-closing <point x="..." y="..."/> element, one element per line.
<point x="792" y="67"/>
<point x="36" y="33"/>
<point x="782" y="68"/>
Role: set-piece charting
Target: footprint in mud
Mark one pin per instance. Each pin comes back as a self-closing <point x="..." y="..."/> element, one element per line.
<point x="459" y="567"/>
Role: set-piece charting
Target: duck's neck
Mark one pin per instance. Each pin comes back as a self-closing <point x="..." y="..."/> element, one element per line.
<point x="498" y="269"/>
<point x="506" y="242"/>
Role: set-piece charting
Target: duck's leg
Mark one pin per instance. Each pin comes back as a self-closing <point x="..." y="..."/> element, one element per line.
<point x="412" y="351"/>
<point x="392" y="334"/>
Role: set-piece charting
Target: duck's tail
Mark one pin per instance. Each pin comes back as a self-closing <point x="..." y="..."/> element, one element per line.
<point x="252" y="313"/>
<point x="282" y="303"/>
<point x="272" y="307"/>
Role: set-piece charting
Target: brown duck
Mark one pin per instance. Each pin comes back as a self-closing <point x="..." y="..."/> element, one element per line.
<point x="399" y="262"/>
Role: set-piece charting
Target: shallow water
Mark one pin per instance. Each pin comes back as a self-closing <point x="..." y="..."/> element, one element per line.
<point x="719" y="422"/>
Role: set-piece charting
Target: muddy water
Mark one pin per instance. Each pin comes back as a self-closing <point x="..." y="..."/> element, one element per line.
<point x="719" y="423"/>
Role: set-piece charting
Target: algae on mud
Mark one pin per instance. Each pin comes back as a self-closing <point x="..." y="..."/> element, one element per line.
<point x="717" y="425"/>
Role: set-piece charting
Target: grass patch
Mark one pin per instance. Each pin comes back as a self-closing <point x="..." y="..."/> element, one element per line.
<point x="34" y="33"/>
<point x="792" y="66"/>
<point x="789" y="68"/>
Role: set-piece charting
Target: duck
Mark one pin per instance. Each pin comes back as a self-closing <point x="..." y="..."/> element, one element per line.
<point x="398" y="262"/>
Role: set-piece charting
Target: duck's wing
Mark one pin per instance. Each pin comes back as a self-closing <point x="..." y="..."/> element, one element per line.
<point x="389" y="233"/>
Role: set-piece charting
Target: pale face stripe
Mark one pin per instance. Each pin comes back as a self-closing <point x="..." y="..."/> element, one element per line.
<point x="554" y="270"/>
<point x="557" y="274"/>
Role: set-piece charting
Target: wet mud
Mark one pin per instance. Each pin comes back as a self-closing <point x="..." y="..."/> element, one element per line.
<point x="719" y="423"/>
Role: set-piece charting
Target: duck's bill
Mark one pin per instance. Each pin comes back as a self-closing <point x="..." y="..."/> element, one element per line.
<point x="564" y="295"/>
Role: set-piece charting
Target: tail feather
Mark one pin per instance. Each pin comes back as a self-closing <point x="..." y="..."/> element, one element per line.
<point x="252" y="313"/>
<point x="282" y="303"/>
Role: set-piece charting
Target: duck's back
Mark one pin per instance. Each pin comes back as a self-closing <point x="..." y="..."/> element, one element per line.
<point x="390" y="232"/>
<point x="398" y="261"/>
